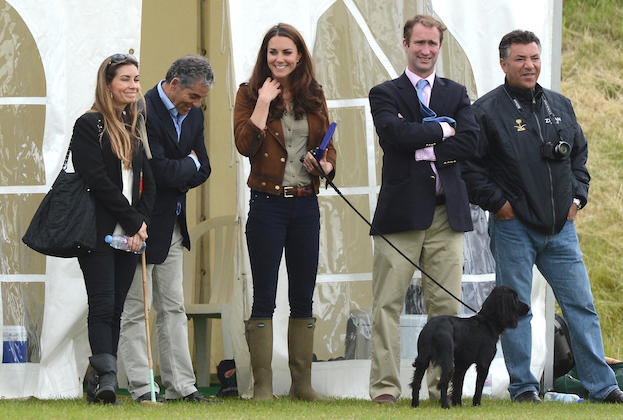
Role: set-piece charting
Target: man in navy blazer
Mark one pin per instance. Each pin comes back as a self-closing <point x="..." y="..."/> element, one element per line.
<point x="179" y="162"/>
<point x="422" y="206"/>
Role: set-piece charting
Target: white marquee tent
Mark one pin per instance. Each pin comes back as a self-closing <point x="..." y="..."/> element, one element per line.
<point x="355" y="44"/>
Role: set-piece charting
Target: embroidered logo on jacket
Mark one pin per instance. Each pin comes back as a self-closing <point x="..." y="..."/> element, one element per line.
<point x="521" y="126"/>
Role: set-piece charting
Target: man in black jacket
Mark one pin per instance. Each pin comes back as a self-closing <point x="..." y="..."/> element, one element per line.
<point x="179" y="162"/>
<point x="530" y="174"/>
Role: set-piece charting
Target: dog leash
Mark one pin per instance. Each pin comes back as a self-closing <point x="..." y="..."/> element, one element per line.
<point x="376" y="232"/>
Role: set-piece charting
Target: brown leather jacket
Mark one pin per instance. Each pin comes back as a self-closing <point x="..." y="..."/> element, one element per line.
<point x="266" y="148"/>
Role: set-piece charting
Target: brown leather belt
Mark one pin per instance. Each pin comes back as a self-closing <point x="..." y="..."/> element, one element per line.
<point x="305" y="191"/>
<point x="440" y="199"/>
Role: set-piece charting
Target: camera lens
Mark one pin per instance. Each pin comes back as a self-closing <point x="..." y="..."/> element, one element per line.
<point x="562" y="149"/>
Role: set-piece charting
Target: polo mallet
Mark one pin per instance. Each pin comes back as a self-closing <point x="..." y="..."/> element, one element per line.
<point x="146" y="308"/>
<point x="149" y="359"/>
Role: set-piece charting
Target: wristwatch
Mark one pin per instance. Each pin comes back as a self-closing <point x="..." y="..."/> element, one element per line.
<point x="577" y="202"/>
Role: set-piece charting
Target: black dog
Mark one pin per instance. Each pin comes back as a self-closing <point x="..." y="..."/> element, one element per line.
<point x="454" y="343"/>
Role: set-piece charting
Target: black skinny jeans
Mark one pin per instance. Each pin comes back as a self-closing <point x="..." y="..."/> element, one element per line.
<point x="108" y="274"/>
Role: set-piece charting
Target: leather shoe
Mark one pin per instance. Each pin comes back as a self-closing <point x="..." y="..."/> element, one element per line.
<point x="528" y="396"/>
<point x="385" y="399"/>
<point x="614" y="397"/>
<point x="197" y="397"/>
<point x="147" y="397"/>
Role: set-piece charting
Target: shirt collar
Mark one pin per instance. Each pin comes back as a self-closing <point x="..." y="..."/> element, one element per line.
<point x="166" y="101"/>
<point x="414" y="78"/>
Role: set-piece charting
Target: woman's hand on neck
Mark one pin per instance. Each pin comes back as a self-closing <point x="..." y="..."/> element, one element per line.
<point x="286" y="96"/>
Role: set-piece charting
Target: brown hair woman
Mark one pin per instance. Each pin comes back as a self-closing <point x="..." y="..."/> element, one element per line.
<point x="279" y="116"/>
<point x="108" y="154"/>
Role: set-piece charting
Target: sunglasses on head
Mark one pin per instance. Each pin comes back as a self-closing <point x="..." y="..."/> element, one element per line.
<point x="119" y="58"/>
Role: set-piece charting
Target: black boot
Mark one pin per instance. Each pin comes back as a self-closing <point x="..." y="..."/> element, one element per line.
<point x="92" y="380"/>
<point x="106" y="367"/>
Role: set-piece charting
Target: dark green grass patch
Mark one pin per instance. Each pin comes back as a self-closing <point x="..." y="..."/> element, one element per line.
<point x="284" y="408"/>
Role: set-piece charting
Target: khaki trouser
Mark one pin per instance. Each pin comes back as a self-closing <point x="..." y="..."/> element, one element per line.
<point x="164" y="283"/>
<point x="439" y="251"/>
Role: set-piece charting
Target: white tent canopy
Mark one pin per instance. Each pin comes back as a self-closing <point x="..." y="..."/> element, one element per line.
<point x="72" y="36"/>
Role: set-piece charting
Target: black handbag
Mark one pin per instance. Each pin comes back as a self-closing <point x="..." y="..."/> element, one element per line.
<point x="64" y="224"/>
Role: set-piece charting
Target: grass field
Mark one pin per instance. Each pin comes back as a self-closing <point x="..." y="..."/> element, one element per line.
<point x="592" y="59"/>
<point x="284" y="408"/>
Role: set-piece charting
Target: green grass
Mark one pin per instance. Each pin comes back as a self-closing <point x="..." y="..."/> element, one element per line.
<point x="284" y="408"/>
<point x="592" y="59"/>
<point x="591" y="77"/>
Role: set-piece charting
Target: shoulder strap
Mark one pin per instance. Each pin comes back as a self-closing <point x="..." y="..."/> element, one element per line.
<point x="100" y="129"/>
<point x="66" y="158"/>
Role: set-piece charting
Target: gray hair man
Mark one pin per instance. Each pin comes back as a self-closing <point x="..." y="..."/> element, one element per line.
<point x="180" y="162"/>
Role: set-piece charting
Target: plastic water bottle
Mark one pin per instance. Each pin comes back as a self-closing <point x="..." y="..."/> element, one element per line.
<point x="561" y="397"/>
<point x="121" y="242"/>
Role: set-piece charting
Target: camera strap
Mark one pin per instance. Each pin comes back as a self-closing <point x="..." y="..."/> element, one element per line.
<point x="514" y="101"/>
<point x="548" y="108"/>
<point x="552" y="117"/>
<point x="375" y="232"/>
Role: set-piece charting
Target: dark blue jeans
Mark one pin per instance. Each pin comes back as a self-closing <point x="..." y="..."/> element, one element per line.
<point x="276" y="223"/>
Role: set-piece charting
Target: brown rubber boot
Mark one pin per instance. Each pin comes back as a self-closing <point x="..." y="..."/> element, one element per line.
<point x="300" y="352"/>
<point x="259" y="333"/>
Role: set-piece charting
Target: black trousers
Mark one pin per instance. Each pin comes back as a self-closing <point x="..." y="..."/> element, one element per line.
<point x="108" y="274"/>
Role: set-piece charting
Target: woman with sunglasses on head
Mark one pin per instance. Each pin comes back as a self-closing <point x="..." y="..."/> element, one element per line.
<point x="107" y="152"/>
<point x="280" y="115"/>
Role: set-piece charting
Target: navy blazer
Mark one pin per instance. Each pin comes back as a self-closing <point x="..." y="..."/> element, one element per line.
<point x="175" y="173"/>
<point x="407" y="197"/>
<point x="100" y="169"/>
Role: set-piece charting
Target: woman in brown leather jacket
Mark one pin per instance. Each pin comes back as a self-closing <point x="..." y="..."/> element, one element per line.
<point x="280" y="115"/>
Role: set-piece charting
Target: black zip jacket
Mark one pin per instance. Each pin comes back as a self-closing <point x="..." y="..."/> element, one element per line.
<point x="514" y="123"/>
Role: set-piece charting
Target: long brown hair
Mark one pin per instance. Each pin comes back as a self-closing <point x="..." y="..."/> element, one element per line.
<point x="306" y="92"/>
<point x="121" y="128"/>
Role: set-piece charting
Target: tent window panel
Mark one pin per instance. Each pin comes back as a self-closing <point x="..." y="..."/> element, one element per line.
<point x="386" y="21"/>
<point x="21" y="140"/>
<point x="345" y="63"/>
<point x="22" y="319"/>
<point x="345" y="244"/>
<point x="473" y="293"/>
<point x="350" y="143"/>
<point x="334" y="306"/>
<point x="476" y="253"/>
<point x="21" y="70"/>
<point x="15" y="257"/>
